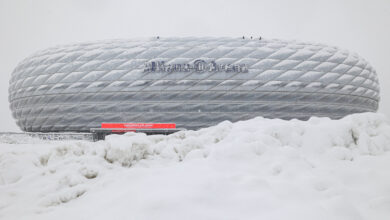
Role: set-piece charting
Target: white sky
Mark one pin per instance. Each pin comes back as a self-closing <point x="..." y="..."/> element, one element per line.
<point x="30" y="25"/>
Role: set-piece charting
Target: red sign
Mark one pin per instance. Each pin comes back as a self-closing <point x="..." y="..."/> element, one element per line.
<point x="139" y="125"/>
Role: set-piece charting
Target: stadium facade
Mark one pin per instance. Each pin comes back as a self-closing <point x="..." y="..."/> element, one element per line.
<point x="193" y="82"/>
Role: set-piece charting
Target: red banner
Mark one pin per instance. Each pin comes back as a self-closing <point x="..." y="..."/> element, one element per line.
<point x="139" y="125"/>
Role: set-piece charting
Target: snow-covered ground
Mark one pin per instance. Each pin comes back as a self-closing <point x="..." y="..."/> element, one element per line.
<point x="256" y="169"/>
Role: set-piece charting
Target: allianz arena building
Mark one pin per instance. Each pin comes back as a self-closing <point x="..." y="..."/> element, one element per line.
<point x="193" y="82"/>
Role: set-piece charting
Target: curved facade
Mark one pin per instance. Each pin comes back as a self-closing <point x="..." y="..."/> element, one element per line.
<point x="193" y="82"/>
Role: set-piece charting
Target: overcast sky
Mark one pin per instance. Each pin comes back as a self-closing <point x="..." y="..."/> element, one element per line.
<point x="30" y="25"/>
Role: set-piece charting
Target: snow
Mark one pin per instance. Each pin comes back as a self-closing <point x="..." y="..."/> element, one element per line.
<point x="255" y="169"/>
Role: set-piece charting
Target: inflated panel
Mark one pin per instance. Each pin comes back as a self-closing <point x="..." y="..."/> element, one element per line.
<point x="193" y="82"/>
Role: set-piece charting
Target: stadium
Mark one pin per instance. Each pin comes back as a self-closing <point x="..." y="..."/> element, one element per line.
<point x="191" y="82"/>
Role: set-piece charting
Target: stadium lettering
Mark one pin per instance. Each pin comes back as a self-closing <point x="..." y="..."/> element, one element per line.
<point x="197" y="66"/>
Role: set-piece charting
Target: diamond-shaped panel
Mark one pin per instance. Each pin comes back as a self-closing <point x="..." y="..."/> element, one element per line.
<point x="76" y="87"/>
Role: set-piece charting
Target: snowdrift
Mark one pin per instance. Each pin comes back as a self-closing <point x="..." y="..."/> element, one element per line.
<point x="255" y="169"/>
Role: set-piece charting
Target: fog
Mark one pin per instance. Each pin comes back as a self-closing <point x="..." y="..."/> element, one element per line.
<point x="31" y="25"/>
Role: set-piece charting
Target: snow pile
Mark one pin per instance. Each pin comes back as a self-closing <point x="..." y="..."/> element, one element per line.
<point x="255" y="169"/>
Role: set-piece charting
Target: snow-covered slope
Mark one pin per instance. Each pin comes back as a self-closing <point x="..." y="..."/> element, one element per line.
<point x="256" y="169"/>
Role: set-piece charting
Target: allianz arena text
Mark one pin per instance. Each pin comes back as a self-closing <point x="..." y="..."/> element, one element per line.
<point x="192" y="82"/>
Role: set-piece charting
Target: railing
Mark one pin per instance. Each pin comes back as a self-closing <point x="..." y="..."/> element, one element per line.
<point x="95" y="134"/>
<point x="56" y="136"/>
